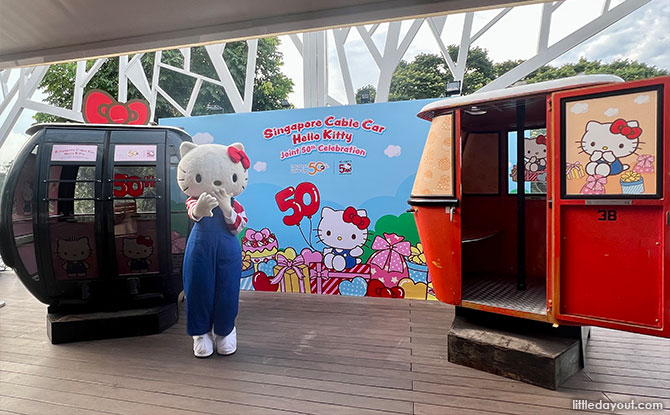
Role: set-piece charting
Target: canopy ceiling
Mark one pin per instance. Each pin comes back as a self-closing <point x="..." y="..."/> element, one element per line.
<point x="35" y="32"/>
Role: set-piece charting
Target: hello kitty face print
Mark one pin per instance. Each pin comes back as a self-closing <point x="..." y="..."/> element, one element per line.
<point x="610" y="144"/>
<point x="343" y="232"/>
<point x="138" y="250"/>
<point x="74" y="252"/>
<point x="535" y="153"/>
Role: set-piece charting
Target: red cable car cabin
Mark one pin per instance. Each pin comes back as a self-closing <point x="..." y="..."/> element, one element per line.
<point x="550" y="202"/>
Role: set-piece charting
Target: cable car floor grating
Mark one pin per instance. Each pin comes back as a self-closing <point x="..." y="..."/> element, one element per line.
<point x="500" y="291"/>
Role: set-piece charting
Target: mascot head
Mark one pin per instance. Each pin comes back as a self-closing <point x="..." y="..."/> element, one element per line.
<point x="206" y="167"/>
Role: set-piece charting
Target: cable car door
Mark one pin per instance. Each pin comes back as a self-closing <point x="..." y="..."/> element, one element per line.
<point x="437" y="212"/>
<point x="70" y="195"/>
<point x="135" y="211"/>
<point x="610" y="215"/>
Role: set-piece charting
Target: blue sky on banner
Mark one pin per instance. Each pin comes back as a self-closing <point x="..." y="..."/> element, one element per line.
<point x="380" y="180"/>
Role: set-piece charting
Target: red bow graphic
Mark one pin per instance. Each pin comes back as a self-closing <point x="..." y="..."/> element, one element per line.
<point x="101" y="108"/>
<point x="620" y="126"/>
<point x="144" y="240"/>
<point x="541" y="139"/>
<point x="351" y="216"/>
<point x="237" y="156"/>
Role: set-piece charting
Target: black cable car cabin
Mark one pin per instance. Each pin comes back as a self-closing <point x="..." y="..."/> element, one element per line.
<point x="92" y="219"/>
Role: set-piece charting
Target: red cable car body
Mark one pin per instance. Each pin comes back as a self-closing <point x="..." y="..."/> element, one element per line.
<point x="578" y="235"/>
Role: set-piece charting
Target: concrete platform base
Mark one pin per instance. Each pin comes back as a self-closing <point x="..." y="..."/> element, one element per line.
<point x="520" y="349"/>
<point x="66" y="328"/>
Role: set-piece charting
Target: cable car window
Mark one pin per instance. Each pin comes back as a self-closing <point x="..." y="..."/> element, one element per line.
<point x="535" y="161"/>
<point x="71" y="199"/>
<point x="481" y="164"/>
<point x="135" y="218"/>
<point x="612" y="144"/>
<point x="435" y="176"/>
<point x="22" y="213"/>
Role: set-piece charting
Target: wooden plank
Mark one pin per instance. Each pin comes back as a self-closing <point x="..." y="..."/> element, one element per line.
<point x="300" y="353"/>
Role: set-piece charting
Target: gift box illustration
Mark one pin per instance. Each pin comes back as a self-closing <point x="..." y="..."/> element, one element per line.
<point x="632" y="183"/>
<point x="246" y="281"/>
<point x="291" y="272"/>
<point x="416" y="264"/>
<point x="388" y="263"/>
<point x="574" y="170"/>
<point x="327" y="281"/>
<point x="595" y="185"/>
<point x="645" y="164"/>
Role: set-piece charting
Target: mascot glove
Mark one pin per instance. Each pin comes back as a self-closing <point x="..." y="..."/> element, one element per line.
<point x="204" y="206"/>
<point x="224" y="198"/>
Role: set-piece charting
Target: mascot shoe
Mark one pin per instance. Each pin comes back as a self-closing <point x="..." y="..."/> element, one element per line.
<point x="203" y="346"/>
<point x="227" y="345"/>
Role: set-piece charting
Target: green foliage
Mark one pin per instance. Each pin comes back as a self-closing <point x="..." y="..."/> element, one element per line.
<point x="370" y="90"/>
<point x="426" y="76"/>
<point x="626" y="69"/>
<point x="271" y="86"/>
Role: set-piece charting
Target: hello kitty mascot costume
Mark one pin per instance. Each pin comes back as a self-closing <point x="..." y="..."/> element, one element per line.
<point x="212" y="175"/>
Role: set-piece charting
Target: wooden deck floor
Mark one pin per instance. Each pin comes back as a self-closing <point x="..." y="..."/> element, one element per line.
<point x="302" y="354"/>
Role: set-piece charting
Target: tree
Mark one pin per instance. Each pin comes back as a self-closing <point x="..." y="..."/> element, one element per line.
<point x="626" y="69"/>
<point x="427" y="75"/>
<point x="369" y="90"/>
<point x="271" y="86"/>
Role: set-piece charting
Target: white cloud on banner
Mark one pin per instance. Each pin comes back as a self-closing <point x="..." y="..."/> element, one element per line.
<point x="611" y="112"/>
<point x="392" y="151"/>
<point x="203" y="138"/>
<point x="260" y="166"/>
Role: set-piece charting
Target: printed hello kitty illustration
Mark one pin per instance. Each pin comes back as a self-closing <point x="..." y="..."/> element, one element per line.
<point x="535" y="153"/>
<point x="607" y="144"/>
<point x="138" y="250"/>
<point x="343" y="232"/>
<point x="74" y="252"/>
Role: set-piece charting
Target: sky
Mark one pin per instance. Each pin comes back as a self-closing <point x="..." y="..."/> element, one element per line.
<point x="641" y="36"/>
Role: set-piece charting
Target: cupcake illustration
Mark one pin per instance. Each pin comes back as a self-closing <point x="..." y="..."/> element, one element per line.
<point x="632" y="183"/>
<point x="260" y="245"/>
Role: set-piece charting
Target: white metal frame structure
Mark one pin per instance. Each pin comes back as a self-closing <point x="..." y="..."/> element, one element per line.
<point x="313" y="47"/>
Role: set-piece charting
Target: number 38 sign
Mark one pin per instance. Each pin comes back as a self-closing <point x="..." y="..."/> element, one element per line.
<point x="294" y="199"/>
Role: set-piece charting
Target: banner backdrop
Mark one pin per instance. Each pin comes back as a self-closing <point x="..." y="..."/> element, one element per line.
<point x="327" y="197"/>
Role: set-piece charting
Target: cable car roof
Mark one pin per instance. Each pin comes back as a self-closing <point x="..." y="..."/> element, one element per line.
<point x="428" y="111"/>
<point x="38" y="127"/>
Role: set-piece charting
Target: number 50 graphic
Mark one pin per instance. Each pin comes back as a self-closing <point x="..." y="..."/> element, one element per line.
<point x="294" y="199"/>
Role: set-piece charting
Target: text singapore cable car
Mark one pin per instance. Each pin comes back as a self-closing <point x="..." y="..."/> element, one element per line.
<point x="551" y="202"/>
<point x="92" y="219"/>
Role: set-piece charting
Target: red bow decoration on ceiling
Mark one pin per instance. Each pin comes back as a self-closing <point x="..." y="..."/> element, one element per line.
<point x="237" y="156"/>
<point x="351" y="216"/>
<point x="621" y="126"/>
<point x="101" y="108"/>
<point x="541" y="139"/>
<point x="144" y="240"/>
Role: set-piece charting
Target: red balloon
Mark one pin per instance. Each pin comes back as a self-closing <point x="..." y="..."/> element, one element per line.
<point x="262" y="282"/>
<point x="307" y="188"/>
